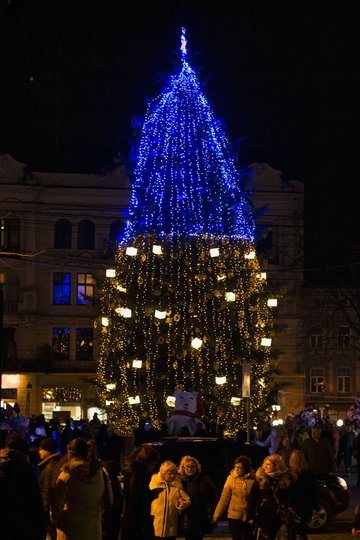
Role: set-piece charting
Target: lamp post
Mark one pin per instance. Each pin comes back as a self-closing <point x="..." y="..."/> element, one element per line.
<point x="246" y="373"/>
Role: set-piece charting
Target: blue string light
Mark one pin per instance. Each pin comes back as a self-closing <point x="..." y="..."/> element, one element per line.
<point x="186" y="182"/>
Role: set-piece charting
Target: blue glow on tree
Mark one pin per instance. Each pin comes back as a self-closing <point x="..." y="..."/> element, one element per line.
<point x="186" y="181"/>
<point x="187" y="307"/>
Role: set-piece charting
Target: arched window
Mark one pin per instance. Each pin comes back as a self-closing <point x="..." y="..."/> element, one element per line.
<point x="10" y="234"/>
<point x="62" y="237"/>
<point x="86" y="235"/>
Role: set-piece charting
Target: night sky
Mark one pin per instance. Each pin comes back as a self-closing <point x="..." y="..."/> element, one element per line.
<point x="283" y="76"/>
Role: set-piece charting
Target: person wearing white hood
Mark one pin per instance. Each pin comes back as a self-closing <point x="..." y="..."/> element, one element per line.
<point x="272" y="441"/>
<point x="235" y="495"/>
<point x="171" y="499"/>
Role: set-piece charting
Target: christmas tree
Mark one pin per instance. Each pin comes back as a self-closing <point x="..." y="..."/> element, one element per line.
<point x="186" y="305"/>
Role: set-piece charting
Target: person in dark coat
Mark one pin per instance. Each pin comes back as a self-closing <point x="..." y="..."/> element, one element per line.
<point x="346" y="443"/>
<point x="49" y="467"/>
<point x="318" y="452"/>
<point x="283" y="448"/>
<point x="303" y="495"/>
<point x="71" y="432"/>
<point x="139" y="466"/>
<point x="356" y="455"/>
<point x="112" y="526"/>
<point x="273" y="483"/>
<point x="203" y="494"/>
<point x="21" y="509"/>
<point x="109" y="444"/>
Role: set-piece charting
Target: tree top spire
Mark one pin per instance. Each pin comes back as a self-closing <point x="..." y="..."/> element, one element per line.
<point x="183" y="41"/>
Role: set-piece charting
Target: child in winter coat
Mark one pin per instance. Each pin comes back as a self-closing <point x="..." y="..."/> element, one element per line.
<point x="235" y="495"/>
<point x="170" y="500"/>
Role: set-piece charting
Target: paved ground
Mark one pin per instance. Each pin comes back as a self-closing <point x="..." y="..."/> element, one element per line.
<point x="339" y="529"/>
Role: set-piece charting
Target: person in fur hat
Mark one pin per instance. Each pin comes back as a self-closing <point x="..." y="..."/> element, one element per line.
<point x="170" y="501"/>
<point x="273" y="483"/>
<point x="49" y="467"/>
<point x="235" y="495"/>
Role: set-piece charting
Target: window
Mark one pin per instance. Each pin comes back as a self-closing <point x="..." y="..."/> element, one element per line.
<point x="316" y="341"/>
<point x="86" y="235"/>
<point x="84" y="344"/>
<point x="85" y="288"/>
<point x="317" y="382"/>
<point x="265" y="244"/>
<point x="10" y="234"/>
<point x="344" y="337"/>
<point x="343" y="380"/>
<point x="62" y="238"/>
<point x="8" y="344"/>
<point x="61" y="288"/>
<point x="116" y="231"/>
<point x="61" y="343"/>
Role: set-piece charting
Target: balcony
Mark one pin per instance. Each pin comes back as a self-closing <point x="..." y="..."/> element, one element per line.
<point x="47" y="365"/>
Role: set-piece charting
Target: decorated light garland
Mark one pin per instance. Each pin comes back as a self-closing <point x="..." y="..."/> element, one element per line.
<point x="187" y="305"/>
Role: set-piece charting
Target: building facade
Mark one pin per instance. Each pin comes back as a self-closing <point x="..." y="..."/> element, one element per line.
<point x="57" y="237"/>
<point x="281" y="246"/>
<point x="330" y="343"/>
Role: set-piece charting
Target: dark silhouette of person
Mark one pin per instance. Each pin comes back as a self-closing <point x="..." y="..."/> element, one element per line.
<point x="49" y="467"/>
<point x="137" y="522"/>
<point x="21" y="509"/>
<point x="108" y="443"/>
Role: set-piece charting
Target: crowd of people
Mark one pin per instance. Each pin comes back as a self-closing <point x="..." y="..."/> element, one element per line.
<point x="80" y="481"/>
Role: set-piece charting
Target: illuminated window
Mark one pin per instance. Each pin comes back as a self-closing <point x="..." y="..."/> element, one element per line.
<point x="85" y="288"/>
<point x="61" y="343"/>
<point x="317" y="381"/>
<point x="84" y="344"/>
<point x="61" y="288"/>
<point x="86" y="235"/>
<point x="343" y="380"/>
<point x="10" y="235"/>
<point x="316" y="338"/>
<point x="62" y="238"/>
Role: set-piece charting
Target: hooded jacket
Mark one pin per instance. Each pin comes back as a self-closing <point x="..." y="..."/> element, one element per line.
<point x="235" y="493"/>
<point x="78" y="502"/>
<point x="165" y="508"/>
